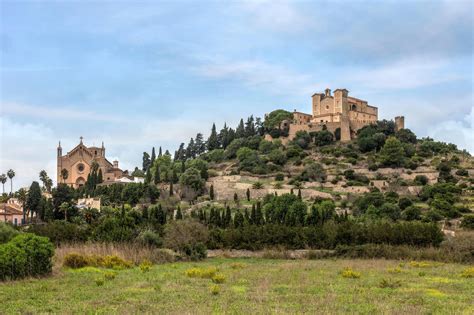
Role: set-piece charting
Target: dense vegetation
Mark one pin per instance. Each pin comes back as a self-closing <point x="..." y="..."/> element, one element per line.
<point x="176" y="206"/>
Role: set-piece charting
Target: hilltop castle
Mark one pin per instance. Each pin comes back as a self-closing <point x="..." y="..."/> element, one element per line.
<point x="341" y="111"/>
<point x="78" y="164"/>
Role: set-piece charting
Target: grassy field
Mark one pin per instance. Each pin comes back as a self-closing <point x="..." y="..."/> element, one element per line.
<point x="250" y="286"/>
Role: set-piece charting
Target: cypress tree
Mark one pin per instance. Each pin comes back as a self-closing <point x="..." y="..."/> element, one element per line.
<point x="236" y="198"/>
<point x="171" y="189"/>
<point x="228" y="216"/>
<point x="179" y="215"/>
<point x="148" y="177"/>
<point x="248" y="194"/>
<point x="253" y="215"/>
<point x="160" y="153"/>
<point x="211" y="192"/>
<point x="153" y="156"/>
<point x="291" y="191"/>
<point x="246" y="216"/>
<point x="299" y="194"/>
<point x="238" y="219"/>
<point x="156" y="177"/>
<point x="258" y="214"/>
<point x="100" y="178"/>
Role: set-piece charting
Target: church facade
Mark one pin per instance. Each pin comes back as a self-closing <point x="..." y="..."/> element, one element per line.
<point x="74" y="167"/>
<point x="338" y="111"/>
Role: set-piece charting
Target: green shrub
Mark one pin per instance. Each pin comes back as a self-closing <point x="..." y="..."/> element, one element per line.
<point x="218" y="278"/>
<point x="279" y="177"/>
<point x="7" y="232"/>
<point x="349" y="273"/>
<point x="25" y="255"/>
<point x="205" y="273"/>
<point x="110" y="275"/>
<point x="74" y="260"/>
<point x="99" y="282"/>
<point x="214" y="289"/>
<point x="468" y="222"/>
<point x="389" y="283"/>
<point x="145" y="266"/>
<point x="149" y="238"/>
<point x="468" y="273"/>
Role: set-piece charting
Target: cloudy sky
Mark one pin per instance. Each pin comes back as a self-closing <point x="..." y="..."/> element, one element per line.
<point x="138" y="74"/>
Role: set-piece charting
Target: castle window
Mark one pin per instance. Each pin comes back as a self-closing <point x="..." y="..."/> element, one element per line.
<point x="353" y="107"/>
<point x="95" y="152"/>
<point x="327" y="106"/>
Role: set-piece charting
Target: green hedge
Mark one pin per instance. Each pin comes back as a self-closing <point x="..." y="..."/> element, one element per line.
<point x="327" y="236"/>
<point x="25" y="255"/>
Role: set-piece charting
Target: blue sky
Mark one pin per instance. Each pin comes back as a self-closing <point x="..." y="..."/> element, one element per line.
<point x="138" y="74"/>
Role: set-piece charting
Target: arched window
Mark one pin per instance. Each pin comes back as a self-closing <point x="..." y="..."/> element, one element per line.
<point x="353" y="107"/>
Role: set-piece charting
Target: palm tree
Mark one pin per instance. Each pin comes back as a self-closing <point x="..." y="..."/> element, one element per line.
<point x="22" y="196"/>
<point x="3" y="180"/>
<point x="49" y="184"/>
<point x="64" y="174"/>
<point x="11" y="174"/>
<point x="43" y="176"/>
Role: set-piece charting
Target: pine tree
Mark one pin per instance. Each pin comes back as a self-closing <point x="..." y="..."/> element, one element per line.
<point x="223" y="136"/>
<point x="250" y="127"/>
<point x="190" y="150"/>
<point x="199" y="144"/>
<point x="240" y="131"/>
<point x="247" y="193"/>
<point x="211" y="192"/>
<point x="213" y="140"/>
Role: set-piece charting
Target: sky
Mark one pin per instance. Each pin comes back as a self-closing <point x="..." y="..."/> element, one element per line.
<point x="138" y="74"/>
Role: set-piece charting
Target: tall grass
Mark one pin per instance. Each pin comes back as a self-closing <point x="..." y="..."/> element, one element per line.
<point x="128" y="251"/>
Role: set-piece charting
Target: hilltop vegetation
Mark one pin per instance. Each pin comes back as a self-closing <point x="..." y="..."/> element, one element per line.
<point x="237" y="190"/>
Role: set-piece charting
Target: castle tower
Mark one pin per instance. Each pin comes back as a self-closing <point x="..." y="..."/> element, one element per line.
<point x="340" y="101"/>
<point x="399" y="122"/>
<point x="316" y="104"/>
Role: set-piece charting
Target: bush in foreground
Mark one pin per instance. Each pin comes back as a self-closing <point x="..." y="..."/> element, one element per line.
<point x="25" y="255"/>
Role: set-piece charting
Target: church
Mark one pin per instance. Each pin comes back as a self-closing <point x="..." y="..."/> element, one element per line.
<point x="74" y="167"/>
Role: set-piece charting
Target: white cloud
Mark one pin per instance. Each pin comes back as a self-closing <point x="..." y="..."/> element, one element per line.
<point x="258" y="74"/>
<point x="27" y="149"/>
<point x="281" y="16"/>
<point x="402" y="74"/>
<point x="460" y="132"/>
